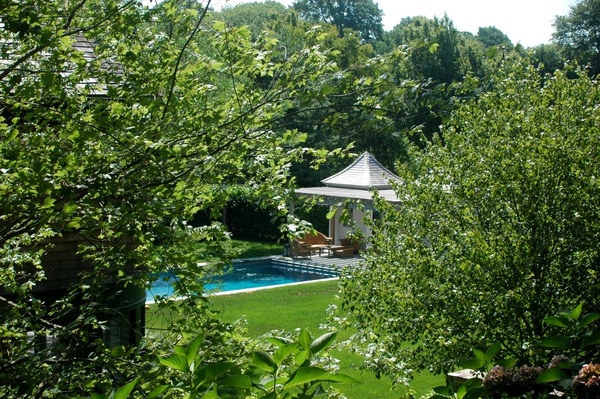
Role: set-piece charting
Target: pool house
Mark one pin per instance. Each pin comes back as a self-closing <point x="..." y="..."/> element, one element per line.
<point x="349" y="187"/>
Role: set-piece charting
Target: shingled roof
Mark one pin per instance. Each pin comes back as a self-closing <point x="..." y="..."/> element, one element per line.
<point x="364" y="173"/>
<point x="80" y="44"/>
<point x="356" y="182"/>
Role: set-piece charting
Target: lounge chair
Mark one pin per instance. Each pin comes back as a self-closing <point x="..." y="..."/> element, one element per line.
<point x="350" y="242"/>
<point x="348" y="247"/>
<point x="311" y="243"/>
<point x="300" y="249"/>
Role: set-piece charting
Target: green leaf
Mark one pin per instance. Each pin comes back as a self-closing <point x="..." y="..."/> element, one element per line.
<point x="593" y="339"/>
<point x="175" y="361"/>
<point x="577" y="311"/>
<point x="264" y="361"/>
<point x="193" y="347"/>
<point x="216" y="65"/>
<point x="75" y="223"/>
<point x="48" y="202"/>
<point x="589" y="319"/>
<point x="302" y="357"/>
<point x="305" y="375"/>
<point x="341" y="378"/>
<point x="491" y="52"/>
<point x="326" y="89"/>
<point x="304" y="339"/>
<point x="219" y="26"/>
<point x="211" y="394"/>
<point x="557" y="342"/>
<point x="461" y="391"/>
<point x="69" y="207"/>
<point x="12" y="135"/>
<point x="74" y="135"/>
<point x="180" y="350"/>
<point x="282" y="353"/>
<point x="118" y="351"/>
<point x="239" y="381"/>
<point x="209" y="372"/>
<point x="479" y="355"/>
<point x="442" y="390"/>
<point x="492" y="352"/>
<point x="508" y="363"/>
<point x="474" y="393"/>
<point x="124" y="391"/>
<point x="117" y="108"/>
<point x="279" y="341"/>
<point x="331" y="213"/>
<point x="472" y="363"/>
<point x="156" y="392"/>
<point x="270" y="395"/>
<point x="322" y="342"/>
<point x="558" y="321"/>
<point x="551" y="375"/>
<point x="244" y="32"/>
<point x="47" y="78"/>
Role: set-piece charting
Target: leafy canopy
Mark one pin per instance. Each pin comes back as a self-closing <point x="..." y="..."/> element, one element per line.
<point x="117" y="124"/>
<point x="363" y="16"/>
<point x="577" y="34"/>
<point x="497" y="229"/>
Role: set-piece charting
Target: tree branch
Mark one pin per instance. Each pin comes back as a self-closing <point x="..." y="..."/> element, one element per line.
<point x="42" y="321"/>
<point x="180" y="57"/>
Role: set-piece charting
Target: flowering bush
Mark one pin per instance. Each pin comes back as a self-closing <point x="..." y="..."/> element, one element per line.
<point x="573" y="372"/>
<point x="586" y="383"/>
<point x="512" y="381"/>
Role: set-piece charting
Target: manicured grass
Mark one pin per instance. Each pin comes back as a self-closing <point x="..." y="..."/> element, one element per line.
<point x="304" y="306"/>
<point x="254" y="249"/>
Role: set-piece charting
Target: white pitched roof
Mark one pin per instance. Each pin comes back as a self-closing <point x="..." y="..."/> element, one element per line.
<point x="334" y="195"/>
<point x="355" y="182"/>
<point x="364" y="173"/>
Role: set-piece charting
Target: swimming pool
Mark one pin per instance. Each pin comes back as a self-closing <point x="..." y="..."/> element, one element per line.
<point x="252" y="274"/>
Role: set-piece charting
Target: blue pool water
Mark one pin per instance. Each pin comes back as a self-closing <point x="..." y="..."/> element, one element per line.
<point x="250" y="275"/>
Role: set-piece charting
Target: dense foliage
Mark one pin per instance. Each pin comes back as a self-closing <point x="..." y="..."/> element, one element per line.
<point x="118" y="124"/>
<point x="498" y="228"/>
<point x="362" y="16"/>
<point x="578" y="35"/>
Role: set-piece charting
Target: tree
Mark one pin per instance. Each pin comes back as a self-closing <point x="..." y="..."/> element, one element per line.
<point x="439" y="58"/>
<point x="491" y="36"/>
<point x="258" y="16"/>
<point x="436" y="48"/>
<point x="498" y="228"/>
<point x="116" y="128"/>
<point x="550" y="56"/>
<point x="578" y="35"/>
<point x="363" y="16"/>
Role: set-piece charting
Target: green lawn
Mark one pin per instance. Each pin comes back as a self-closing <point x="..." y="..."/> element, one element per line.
<point x="304" y="306"/>
<point x="253" y="249"/>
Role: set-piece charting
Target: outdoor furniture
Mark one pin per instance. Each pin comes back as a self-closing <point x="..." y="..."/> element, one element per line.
<point x="310" y="244"/>
<point x="352" y="243"/>
<point x="300" y="249"/>
<point x="347" y="248"/>
<point x="342" y="251"/>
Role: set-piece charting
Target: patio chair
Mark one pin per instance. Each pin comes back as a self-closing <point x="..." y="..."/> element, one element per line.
<point x="352" y="243"/>
<point x="301" y="249"/>
<point x="343" y="252"/>
<point x="317" y="241"/>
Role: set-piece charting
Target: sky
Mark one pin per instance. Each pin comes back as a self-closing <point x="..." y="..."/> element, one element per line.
<point x="528" y="22"/>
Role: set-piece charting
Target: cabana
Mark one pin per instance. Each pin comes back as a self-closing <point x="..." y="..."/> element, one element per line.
<point x="353" y="183"/>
